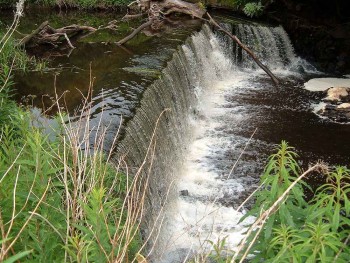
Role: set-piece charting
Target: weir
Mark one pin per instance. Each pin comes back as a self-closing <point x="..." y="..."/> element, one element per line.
<point x="185" y="134"/>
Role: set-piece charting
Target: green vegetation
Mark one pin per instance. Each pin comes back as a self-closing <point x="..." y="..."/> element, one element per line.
<point x="289" y="228"/>
<point x="298" y="230"/>
<point x="11" y="53"/>
<point x="60" y="202"/>
<point x="251" y="8"/>
<point x="61" y="197"/>
<point x="86" y="4"/>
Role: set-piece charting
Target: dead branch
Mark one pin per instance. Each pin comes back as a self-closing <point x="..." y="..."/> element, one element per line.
<point x="47" y="34"/>
<point x="178" y="6"/>
<point x="28" y="38"/>
<point x="135" y="32"/>
<point x="133" y="16"/>
<point x="245" y="48"/>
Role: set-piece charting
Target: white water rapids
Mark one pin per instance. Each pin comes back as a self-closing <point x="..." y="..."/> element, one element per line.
<point x="197" y="148"/>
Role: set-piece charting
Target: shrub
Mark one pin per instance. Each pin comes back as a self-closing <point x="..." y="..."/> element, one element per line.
<point x="298" y="230"/>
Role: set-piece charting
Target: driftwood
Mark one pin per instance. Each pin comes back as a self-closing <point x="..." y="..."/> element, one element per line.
<point x="158" y="10"/>
<point x="245" y="48"/>
<point x="133" y="16"/>
<point x="45" y="34"/>
<point x="27" y="38"/>
<point x="135" y="32"/>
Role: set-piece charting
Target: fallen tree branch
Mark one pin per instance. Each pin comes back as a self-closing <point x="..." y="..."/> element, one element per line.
<point x="47" y="34"/>
<point x="133" y="16"/>
<point x="245" y="48"/>
<point x="66" y="37"/>
<point x="29" y="37"/>
<point x="178" y="6"/>
<point x="135" y="32"/>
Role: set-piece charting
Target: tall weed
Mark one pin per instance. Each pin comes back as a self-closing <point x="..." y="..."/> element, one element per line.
<point x="61" y="197"/>
<point x="298" y="230"/>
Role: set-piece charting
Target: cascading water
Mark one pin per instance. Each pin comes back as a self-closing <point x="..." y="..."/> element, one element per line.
<point x="189" y="150"/>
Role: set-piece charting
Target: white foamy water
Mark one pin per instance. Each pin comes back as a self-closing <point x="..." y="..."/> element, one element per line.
<point x="198" y="142"/>
<point x="198" y="217"/>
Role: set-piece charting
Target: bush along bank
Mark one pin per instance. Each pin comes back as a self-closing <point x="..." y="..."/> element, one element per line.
<point x="298" y="230"/>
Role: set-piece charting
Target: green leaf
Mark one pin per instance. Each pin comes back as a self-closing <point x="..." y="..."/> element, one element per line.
<point x="4" y="240"/>
<point x="17" y="257"/>
<point x="335" y="220"/>
<point x="269" y="226"/>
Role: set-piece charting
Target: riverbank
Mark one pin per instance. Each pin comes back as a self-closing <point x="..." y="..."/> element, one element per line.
<point x="69" y="4"/>
<point x="61" y="197"/>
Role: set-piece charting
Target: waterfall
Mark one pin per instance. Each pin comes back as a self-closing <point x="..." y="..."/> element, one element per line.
<point x="271" y="45"/>
<point x="189" y="173"/>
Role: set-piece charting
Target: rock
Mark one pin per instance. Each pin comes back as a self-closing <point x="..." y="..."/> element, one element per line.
<point x="338" y="113"/>
<point x="337" y="94"/>
<point x="343" y="107"/>
<point x="184" y="193"/>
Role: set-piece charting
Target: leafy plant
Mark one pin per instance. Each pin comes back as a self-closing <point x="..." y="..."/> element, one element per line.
<point x="253" y="9"/>
<point x="61" y="198"/>
<point x="297" y="230"/>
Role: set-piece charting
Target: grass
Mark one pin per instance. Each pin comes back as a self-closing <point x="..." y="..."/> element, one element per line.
<point x="62" y="199"/>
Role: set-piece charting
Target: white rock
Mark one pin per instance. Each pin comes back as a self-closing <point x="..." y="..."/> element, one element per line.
<point x="344" y="106"/>
<point x="322" y="84"/>
<point x="336" y="94"/>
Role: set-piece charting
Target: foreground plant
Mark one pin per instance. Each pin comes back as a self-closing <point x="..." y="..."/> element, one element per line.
<point x="62" y="199"/>
<point x="289" y="228"/>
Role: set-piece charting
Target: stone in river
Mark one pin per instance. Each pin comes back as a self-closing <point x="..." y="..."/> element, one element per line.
<point x="338" y="94"/>
<point x="343" y="107"/>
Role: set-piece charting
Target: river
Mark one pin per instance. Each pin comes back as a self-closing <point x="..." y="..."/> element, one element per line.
<point x="223" y="119"/>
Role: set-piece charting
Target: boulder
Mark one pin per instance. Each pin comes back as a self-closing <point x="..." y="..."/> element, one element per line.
<point x="184" y="193"/>
<point x="343" y="107"/>
<point x="338" y="94"/>
<point x="338" y="113"/>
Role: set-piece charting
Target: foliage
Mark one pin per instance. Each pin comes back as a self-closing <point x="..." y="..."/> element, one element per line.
<point x="12" y="54"/>
<point x="301" y="231"/>
<point x="61" y="198"/>
<point x="86" y="4"/>
<point x="253" y="9"/>
<point x="9" y="113"/>
<point x="64" y="218"/>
